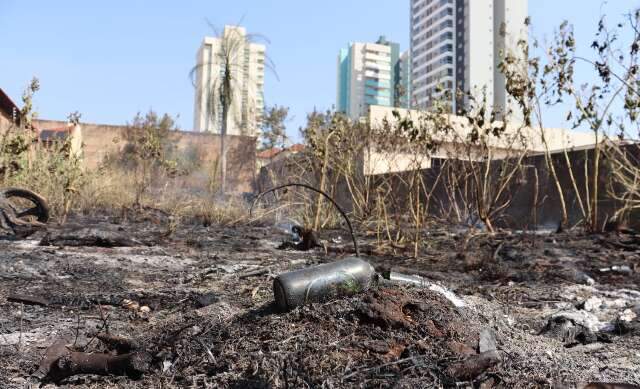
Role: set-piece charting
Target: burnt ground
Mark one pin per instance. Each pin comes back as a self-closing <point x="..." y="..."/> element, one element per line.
<point x="563" y="309"/>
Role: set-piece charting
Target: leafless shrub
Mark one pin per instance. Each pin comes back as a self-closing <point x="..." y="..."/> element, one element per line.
<point x="604" y="103"/>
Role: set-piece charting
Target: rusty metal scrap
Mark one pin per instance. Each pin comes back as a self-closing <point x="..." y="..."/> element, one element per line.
<point x="61" y="361"/>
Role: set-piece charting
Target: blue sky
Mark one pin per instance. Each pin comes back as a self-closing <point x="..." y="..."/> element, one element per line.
<point x="111" y="59"/>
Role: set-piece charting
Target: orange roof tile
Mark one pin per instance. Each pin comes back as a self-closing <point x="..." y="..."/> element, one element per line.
<point x="269" y="153"/>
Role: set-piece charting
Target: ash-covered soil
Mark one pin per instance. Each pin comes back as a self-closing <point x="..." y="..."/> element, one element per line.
<point x="545" y="310"/>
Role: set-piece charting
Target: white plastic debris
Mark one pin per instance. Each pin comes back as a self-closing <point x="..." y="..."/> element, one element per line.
<point x="621" y="269"/>
<point x="425" y="283"/>
<point x="166" y="365"/>
<point x="592" y="304"/>
<point x="449" y="295"/>
<point x="585" y="319"/>
<point x="487" y="340"/>
<point x="628" y="315"/>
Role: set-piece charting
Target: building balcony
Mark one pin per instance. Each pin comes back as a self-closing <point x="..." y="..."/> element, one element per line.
<point x="370" y="56"/>
<point x="384" y="93"/>
<point x="379" y="66"/>
<point x="376" y="83"/>
<point x="380" y="76"/>
<point x="377" y="101"/>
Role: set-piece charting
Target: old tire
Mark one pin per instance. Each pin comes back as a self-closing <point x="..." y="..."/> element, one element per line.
<point x="40" y="209"/>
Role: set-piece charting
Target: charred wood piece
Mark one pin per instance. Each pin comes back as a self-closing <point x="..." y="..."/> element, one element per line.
<point x="121" y="344"/>
<point x="473" y="366"/>
<point x="28" y="300"/>
<point x="89" y="237"/>
<point x="253" y="273"/>
<point x="133" y="365"/>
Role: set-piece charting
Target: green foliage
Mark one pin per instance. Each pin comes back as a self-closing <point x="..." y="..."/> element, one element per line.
<point x="55" y="172"/>
<point x="349" y="286"/>
<point x="26" y="113"/>
<point x="13" y="152"/>
<point x="16" y="141"/>
<point x="273" y="127"/>
<point x="52" y="169"/>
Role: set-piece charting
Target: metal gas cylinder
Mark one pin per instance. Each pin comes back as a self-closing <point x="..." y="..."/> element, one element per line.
<point x="323" y="282"/>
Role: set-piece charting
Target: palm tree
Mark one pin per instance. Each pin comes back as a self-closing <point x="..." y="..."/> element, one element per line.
<point x="221" y="92"/>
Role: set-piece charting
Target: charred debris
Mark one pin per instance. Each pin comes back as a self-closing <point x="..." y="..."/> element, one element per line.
<point x="99" y="302"/>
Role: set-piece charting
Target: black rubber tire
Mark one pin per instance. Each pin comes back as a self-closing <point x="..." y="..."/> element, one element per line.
<point x="39" y="201"/>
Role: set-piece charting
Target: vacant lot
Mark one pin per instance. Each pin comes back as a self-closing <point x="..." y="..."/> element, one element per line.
<point x="562" y="308"/>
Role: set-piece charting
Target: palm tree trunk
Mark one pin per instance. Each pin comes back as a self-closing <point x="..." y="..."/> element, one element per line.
<point x="223" y="149"/>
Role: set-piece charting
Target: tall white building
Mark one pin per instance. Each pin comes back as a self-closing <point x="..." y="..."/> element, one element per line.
<point x="457" y="45"/>
<point x="246" y="60"/>
<point x="370" y="74"/>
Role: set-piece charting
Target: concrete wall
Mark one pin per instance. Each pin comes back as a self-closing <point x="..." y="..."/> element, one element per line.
<point x="380" y="162"/>
<point x="533" y="193"/>
<point x="548" y="211"/>
<point x="100" y="141"/>
<point x="535" y="201"/>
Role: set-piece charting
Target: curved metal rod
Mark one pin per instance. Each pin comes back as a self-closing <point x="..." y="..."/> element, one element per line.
<point x="311" y="188"/>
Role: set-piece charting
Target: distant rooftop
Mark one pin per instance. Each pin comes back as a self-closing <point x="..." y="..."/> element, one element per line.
<point x="273" y="152"/>
<point x="7" y="106"/>
<point x="53" y="134"/>
<point x="269" y="153"/>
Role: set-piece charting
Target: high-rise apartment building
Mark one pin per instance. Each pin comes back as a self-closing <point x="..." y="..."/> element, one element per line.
<point x="370" y="74"/>
<point x="246" y="60"/>
<point x="457" y="45"/>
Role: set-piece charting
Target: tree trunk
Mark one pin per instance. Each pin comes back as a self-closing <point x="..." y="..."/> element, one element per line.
<point x="223" y="150"/>
<point x="594" y="191"/>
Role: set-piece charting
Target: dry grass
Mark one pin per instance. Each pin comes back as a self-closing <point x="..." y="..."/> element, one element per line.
<point x="69" y="188"/>
<point x="112" y="190"/>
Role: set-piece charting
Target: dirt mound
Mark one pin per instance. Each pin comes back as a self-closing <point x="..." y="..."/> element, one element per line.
<point x="377" y="339"/>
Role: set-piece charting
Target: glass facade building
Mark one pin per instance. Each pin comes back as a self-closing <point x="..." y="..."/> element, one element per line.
<point x="369" y="74"/>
